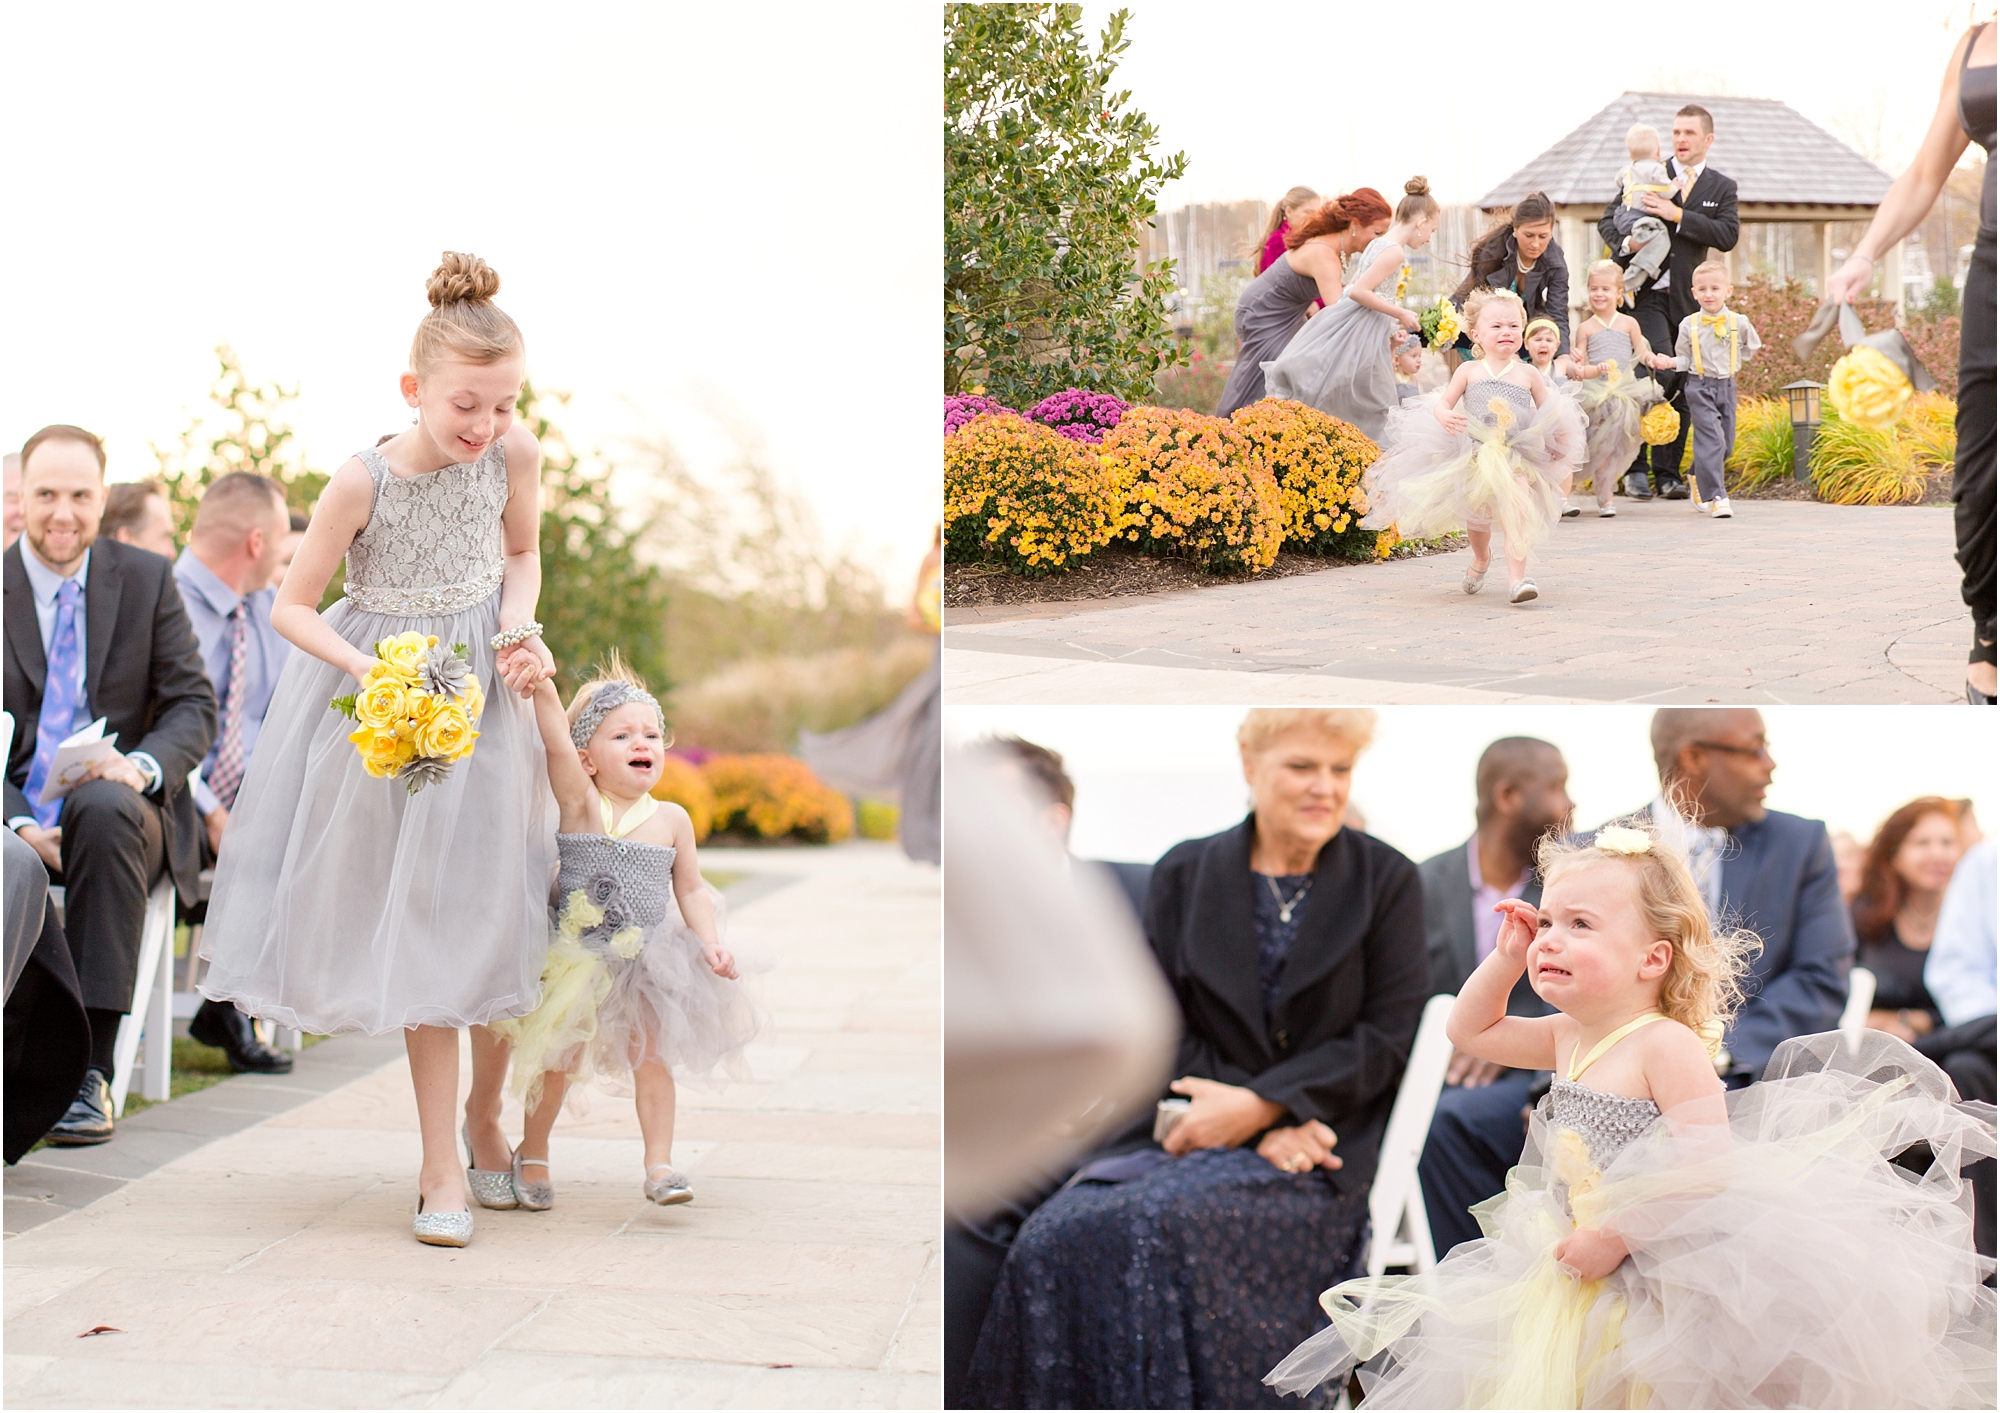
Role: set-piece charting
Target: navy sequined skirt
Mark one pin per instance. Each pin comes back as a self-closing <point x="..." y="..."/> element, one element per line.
<point x="1180" y="1288"/>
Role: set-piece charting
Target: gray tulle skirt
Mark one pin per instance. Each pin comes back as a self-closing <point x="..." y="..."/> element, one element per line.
<point x="1340" y="363"/>
<point x="342" y="902"/>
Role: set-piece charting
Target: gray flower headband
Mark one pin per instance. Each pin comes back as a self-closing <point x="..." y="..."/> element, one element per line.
<point x="605" y="700"/>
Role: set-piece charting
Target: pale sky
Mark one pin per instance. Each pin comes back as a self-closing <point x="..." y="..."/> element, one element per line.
<point x="1336" y="97"/>
<point x="698" y="213"/>
<point x="1148" y="777"/>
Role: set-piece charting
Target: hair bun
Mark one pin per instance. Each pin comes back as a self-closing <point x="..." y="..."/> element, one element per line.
<point x="459" y="278"/>
<point x="1417" y="186"/>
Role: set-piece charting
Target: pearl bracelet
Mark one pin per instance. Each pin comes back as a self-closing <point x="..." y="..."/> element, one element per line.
<point x="514" y="637"/>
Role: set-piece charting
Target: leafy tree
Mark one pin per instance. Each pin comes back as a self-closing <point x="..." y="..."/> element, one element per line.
<point x="248" y="435"/>
<point x="597" y="594"/>
<point x="1048" y="179"/>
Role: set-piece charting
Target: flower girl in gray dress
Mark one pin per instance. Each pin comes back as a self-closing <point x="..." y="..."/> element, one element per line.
<point x="1340" y="362"/>
<point x="347" y="901"/>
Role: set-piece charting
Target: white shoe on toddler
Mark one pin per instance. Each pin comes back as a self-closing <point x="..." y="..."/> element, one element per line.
<point x="1722" y="510"/>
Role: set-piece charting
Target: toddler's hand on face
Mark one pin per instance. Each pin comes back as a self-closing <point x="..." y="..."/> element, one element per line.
<point x="1518" y="924"/>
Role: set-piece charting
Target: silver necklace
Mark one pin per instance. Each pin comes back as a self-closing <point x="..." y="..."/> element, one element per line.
<point x="1285" y="907"/>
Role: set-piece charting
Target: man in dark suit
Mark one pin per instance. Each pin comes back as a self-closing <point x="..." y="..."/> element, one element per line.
<point x="1700" y="217"/>
<point x="1769" y="872"/>
<point x="1523" y="793"/>
<point x="96" y="628"/>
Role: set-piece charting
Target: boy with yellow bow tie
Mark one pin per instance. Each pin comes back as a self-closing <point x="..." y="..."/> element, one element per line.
<point x="1712" y="346"/>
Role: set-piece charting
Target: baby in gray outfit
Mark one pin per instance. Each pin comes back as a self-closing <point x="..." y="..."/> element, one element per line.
<point x="1645" y="172"/>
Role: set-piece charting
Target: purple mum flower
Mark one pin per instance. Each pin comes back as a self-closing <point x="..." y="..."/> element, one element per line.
<point x="1079" y="415"/>
<point x="960" y="410"/>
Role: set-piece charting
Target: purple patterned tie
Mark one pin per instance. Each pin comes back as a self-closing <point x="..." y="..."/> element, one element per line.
<point x="59" y="693"/>
<point x="227" y="776"/>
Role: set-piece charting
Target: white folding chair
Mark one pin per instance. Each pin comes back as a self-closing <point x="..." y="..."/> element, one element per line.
<point x="1860" y="998"/>
<point x="1401" y="1230"/>
<point x="152" y="1014"/>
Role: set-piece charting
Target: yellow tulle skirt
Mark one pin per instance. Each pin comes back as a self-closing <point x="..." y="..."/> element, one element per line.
<point x="1612" y="406"/>
<point x="1510" y="477"/>
<point x="1782" y="1262"/>
<point x="644" y="997"/>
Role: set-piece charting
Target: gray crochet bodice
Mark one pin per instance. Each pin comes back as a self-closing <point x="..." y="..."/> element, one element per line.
<point x="432" y="545"/>
<point x="630" y="881"/>
<point x="1606" y="1122"/>
<point x="1611" y="346"/>
<point x="1479" y="397"/>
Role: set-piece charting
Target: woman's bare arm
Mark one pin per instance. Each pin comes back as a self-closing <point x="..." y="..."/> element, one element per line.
<point x="1912" y="194"/>
<point x="1319" y="262"/>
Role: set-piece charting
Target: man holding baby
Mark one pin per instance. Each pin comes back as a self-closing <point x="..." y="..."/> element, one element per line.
<point x="1699" y="215"/>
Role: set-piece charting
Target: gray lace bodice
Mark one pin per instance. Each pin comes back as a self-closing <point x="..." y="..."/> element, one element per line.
<point x="1611" y="346"/>
<point x="1606" y="1122"/>
<point x="630" y="881"/>
<point x="1479" y="397"/>
<point x="1387" y="288"/>
<point x="432" y="544"/>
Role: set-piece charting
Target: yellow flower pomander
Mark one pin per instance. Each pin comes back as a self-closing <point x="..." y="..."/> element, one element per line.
<point x="1617" y="839"/>
<point x="1868" y="389"/>
<point x="1660" y="425"/>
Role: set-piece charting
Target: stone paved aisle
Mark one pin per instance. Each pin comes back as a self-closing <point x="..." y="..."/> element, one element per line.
<point x="1788" y="602"/>
<point x="272" y="1267"/>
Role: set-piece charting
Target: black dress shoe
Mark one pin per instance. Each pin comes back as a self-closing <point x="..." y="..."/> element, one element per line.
<point x="220" y="1024"/>
<point x="1674" y="490"/>
<point x="1637" y="489"/>
<point x="89" y="1117"/>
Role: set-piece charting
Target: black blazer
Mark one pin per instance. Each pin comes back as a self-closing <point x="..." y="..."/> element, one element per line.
<point x="1353" y="990"/>
<point x="1544" y="289"/>
<point x="1448" y="937"/>
<point x="1779" y="881"/>
<point x="152" y="690"/>
<point x="1708" y="222"/>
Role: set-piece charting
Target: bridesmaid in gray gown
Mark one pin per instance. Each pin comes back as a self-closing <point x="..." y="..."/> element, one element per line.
<point x="1274" y="306"/>
<point x="1341" y="362"/>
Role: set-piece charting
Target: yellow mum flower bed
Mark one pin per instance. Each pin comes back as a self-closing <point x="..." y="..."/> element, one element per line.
<point x="1033" y="499"/>
<point x="1318" y="462"/>
<point x="1196" y="489"/>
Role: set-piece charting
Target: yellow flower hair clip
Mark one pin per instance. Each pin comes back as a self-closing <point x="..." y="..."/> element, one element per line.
<point x="1616" y="839"/>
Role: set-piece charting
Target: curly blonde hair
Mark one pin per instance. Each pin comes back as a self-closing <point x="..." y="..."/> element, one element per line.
<point x="1482" y="299"/>
<point x="1703" y="987"/>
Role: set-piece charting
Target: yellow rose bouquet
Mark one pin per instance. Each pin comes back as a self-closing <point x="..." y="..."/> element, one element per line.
<point x="1439" y="324"/>
<point x="417" y="710"/>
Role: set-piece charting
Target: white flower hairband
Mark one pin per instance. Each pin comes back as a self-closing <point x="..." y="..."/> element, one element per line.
<point x="1616" y="839"/>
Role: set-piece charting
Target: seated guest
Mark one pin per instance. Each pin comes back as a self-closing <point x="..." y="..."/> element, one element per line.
<point x="1522" y="787"/>
<point x="225" y="580"/>
<point x="136" y="513"/>
<point x="1294" y="948"/>
<point x="1959" y="973"/>
<point x="1772" y="873"/>
<point x="294" y="537"/>
<point x="1903" y="879"/>
<point x="46" y="1031"/>
<point x="95" y="628"/>
<point x="10" y="470"/>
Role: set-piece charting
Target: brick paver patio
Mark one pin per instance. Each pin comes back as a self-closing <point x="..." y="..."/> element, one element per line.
<point x="1788" y="602"/>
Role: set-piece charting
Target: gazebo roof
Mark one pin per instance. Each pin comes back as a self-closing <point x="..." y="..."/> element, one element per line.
<point x="1775" y="155"/>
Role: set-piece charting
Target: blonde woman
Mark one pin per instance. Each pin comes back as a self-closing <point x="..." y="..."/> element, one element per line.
<point x="1295" y="949"/>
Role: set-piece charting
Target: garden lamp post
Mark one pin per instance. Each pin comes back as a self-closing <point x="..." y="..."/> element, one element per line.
<point x="1803" y="398"/>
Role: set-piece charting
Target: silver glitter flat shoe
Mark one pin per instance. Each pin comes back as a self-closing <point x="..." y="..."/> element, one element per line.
<point x="490" y="1187"/>
<point x="440" y="1228"/>
<point x="1475" y="578"/>
<point x="535" y="1196"/>
<point x="669" y="1187"/>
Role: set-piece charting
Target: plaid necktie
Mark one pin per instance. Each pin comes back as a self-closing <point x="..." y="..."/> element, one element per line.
<point x="227" y="776"/>
<point x="59" y="703"/>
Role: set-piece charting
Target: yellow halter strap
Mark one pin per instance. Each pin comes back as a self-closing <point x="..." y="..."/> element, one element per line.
<point x="634" y="817"/>
<point x="1597" y="1050"/>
